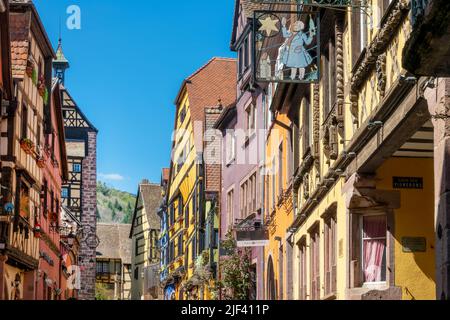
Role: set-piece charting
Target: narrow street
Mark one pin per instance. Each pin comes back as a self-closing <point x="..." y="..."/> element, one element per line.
<point x="246" y="150"/>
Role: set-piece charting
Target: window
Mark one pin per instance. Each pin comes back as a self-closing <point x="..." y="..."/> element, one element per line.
<point x="76" y="168"/>
<point x="171" y="215"/>
<point x="274" y="184"/>
<point x="330" y="255"/>
<point x="231" y="146"/>
<point x="171" y="251"/>
<point x="183" y="114"/>
<point x="186" y="216"/>
<point x="243" y="57"/>
<point x="251" y="118"/>
<point x="374" y="235"/>
<point x="180" y="245"/>
<point x="315" y="264"/>
<point x="280" y="170"/>
<point x="140" y="246"/>
<point x="215" y="243"/>
<point x="248" y="197"/>
<point x="180" y="206"/>
<point x="103" y="267"/>
<point x="281" y="273"/>
<point x="52" y="202"/>
<point x="329" y="77"/>
<point x="64" y="193"/>
<point x="24" y="121"/>
<point x="45" y="195"/>
<point x="230" y="208"/>
<point x="302" y="276"/>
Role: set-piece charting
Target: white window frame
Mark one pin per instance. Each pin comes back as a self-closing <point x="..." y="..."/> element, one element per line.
<point x="372" y="285"/>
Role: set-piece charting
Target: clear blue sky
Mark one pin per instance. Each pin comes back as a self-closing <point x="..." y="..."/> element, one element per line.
<point x="127" y="64"/>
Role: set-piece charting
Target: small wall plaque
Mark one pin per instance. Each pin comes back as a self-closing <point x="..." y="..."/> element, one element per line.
<point x="408" y="183"/>
<point x="414" y="244"/>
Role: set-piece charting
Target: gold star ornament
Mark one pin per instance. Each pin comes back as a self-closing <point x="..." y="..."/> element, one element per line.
<point x="268" y="25"/>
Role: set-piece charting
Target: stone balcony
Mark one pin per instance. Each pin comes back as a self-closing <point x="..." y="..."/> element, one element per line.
<point x="427" y="51"/>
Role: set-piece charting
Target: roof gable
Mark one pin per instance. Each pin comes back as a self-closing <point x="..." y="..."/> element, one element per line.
<point x="72" y="114"/>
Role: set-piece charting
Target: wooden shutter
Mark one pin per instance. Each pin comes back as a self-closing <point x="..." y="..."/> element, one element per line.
<point x="356" y="35"/>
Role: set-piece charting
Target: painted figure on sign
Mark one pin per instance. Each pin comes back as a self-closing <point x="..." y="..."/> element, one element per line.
<point x="295" y="55"/>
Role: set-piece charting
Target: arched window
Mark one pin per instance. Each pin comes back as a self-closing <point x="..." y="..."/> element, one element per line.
<point x="271" y="287"/>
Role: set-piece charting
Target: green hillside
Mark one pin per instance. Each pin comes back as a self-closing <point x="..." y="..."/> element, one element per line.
<point x="114" y="206"/>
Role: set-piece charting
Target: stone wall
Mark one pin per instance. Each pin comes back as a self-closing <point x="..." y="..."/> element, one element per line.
<point x="89" y="220"/>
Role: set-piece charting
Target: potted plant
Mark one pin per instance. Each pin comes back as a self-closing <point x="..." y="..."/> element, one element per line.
<point x="27" y="145"/>
<point x="41" y="86"/>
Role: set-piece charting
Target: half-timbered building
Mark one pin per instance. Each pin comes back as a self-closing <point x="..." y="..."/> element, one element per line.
<point x="144" y="235"/>
<point x="23" y="127"/>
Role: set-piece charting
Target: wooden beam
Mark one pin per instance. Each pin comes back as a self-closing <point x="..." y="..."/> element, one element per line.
<point x="406" y="120"/>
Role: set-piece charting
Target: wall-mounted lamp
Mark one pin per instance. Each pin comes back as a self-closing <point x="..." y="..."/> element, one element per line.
<point x="407" y="79"/>
<point x="374" y="125"/>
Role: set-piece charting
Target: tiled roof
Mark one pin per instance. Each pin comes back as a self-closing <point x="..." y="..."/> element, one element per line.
<point x="19" y="29"/>
<point x="151" y="196"/>
<point x="114" y="242"/>
<point x="215" y="81"/>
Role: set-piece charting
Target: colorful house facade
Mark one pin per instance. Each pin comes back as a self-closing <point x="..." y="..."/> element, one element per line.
<point x="364" y="182"/>
<point x="144" y="235"/>
<point x="53" y="160"/>
<point x="23" y="131"/>
<point x="188" y="203"/>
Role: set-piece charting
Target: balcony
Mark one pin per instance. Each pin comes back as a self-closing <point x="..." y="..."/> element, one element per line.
<point x="427" y="51"/>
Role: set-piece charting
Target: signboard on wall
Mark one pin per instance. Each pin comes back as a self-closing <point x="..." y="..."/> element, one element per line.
<point x="286" y="47"/>
<point x="252" y="238"/>
<point x="414" y="244"/>
<point x="407" y="183"/>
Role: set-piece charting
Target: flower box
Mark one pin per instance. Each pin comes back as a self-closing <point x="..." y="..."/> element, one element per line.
<point x="27" y="145"/>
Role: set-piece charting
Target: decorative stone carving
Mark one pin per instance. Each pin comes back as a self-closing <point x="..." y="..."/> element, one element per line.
<point x="316" y="120"/>
<point x="340" y="81"/>
<point x="330" y="137"/>
<point x="306" y="188"/>
<point x="381" y="74"/>
<point x="376" y="48"/>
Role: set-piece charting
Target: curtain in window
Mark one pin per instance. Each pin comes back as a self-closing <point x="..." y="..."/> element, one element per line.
<point x="374" y="246"/>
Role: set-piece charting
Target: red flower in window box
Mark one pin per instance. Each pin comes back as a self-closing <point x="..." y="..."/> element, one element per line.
<point x="27" y="145"/>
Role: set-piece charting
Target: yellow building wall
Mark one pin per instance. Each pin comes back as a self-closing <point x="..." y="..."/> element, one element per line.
<point x="333" y="197"/>
<point x="414" y="272"/>
<point x="283" y="215"/>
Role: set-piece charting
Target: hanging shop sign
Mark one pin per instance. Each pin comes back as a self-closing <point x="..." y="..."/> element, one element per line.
<point x="316" y="3"/>
<point x="286" y="47"/>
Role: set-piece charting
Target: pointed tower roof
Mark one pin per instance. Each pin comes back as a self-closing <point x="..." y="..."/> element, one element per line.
<point x="60" y="58"/>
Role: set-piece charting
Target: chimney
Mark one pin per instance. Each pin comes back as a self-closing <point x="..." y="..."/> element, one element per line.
<point x="145" y="181"/>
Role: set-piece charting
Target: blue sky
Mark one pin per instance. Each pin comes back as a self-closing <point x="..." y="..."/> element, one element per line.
<point x="127" y="63"/>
